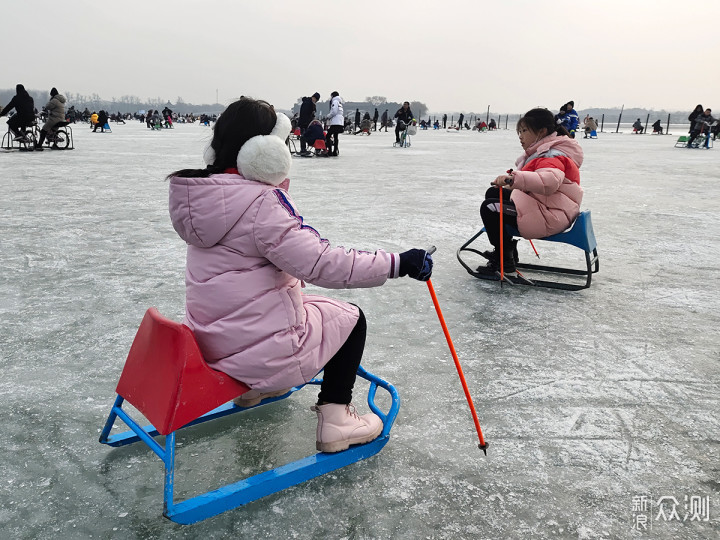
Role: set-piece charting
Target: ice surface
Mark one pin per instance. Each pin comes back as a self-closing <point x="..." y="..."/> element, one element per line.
<point x="587" y="398"/>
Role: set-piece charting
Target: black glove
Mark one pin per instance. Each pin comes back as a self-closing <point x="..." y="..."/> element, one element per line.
<point x="417" y="264"/>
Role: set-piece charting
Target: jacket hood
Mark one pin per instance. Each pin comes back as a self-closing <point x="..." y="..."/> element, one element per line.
<point x="561" y="143"/>
<point x="60" y="98"/>
<point x="203" y="210"/>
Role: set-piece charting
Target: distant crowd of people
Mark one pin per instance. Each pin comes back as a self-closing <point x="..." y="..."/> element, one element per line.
<point x="312" y="125"/>
<point x="54" y="114"/>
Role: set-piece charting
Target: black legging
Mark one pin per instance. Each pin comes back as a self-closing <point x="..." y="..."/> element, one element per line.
<point x="340" y="371"/>
<point x="490" y="214"/>
<point x="331" y="139"/>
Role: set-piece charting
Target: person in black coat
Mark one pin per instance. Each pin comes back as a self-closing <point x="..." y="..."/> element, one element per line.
<point x="693" y="115"/>
<point x="375" y="119"/>
<point x="307" y="114"/>
<point x="102" y="120"/>
<point x="404" y="116"/>
<point x="357" y="118"/>
<point x="24" y="106"/>
<point x="384" y="121"/>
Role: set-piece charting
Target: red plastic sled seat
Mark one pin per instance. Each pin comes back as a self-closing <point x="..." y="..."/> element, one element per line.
<point x="166" y="378"/>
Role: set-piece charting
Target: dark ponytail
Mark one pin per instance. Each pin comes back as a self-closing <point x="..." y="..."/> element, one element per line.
<point x="537" y="119"/>
<point x="241" y="121"/>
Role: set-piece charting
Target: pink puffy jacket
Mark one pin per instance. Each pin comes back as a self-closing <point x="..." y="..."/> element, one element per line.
<point x="248" y="250"/>
<point x="546" y="189"/>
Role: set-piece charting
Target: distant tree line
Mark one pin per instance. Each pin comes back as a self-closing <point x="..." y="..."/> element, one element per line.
<point x="123" y="104"/>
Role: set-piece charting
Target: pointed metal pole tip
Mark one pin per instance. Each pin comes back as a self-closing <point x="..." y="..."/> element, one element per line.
<point x="483" y="447"/>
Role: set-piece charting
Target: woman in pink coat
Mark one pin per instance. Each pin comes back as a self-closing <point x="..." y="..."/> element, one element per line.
<point x="249" y="254"/>
<point x="542" y="197"/>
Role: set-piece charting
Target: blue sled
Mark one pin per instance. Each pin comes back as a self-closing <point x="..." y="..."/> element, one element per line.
<point x="580" y="234"/>
<point x="255" y="487"/>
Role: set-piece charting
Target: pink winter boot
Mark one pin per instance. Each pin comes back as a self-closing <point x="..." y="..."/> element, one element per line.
<point x="339" y="426"/>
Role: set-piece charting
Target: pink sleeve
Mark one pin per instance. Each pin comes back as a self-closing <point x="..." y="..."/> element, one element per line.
<point x="285" y="240"/>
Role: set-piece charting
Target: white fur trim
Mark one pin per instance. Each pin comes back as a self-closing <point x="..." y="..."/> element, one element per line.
<point x="283" y="126"/>
<point x="209" y="155"/>
<point x="265" y="158"/>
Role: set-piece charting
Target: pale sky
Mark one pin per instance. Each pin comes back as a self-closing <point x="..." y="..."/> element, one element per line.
<point x="452" y="55"/>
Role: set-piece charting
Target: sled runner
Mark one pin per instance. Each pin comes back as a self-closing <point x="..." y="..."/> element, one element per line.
<point x="168" y="381"/>
<point x="580" y="234"/>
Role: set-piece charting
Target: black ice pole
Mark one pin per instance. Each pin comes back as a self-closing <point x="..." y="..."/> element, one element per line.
<point x="667" y="129"/>
<point x="602" y="123"/>
<point x="617" y="129"/>
<point x="646" y="123"/>
<point x="487" y="118"/>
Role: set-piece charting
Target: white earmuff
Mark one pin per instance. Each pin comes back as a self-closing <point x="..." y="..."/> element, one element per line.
<point x="266" y="158"/>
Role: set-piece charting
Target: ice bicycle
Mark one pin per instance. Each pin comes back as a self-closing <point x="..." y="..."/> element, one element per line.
<point x="167" y="380"/>
<point x="580" y="234"/>
<point x="59" y="138"/>
<point x="410" y="130"/>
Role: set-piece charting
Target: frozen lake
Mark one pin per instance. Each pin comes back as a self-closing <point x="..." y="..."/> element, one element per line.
<point x="590" y="400"/>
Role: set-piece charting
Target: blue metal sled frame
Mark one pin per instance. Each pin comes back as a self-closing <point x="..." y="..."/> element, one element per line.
<point x="255" y="487"/>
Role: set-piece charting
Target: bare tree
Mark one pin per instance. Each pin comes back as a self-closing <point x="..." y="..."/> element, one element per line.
<point x="376" y="100"/>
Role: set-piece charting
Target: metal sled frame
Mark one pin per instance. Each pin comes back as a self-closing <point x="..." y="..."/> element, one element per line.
<point x="580" y="234"/>
<point x="703" y="140"/>
<point x="231" y="496"/>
